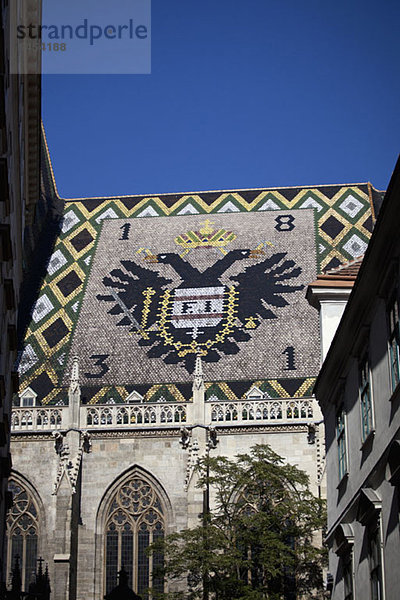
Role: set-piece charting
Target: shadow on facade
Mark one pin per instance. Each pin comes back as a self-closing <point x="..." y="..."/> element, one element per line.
<point x="39" y="588"/>
<point x="122" y="591"/>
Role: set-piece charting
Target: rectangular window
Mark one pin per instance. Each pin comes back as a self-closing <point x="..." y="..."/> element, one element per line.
<point x="348" y="576"/>
<point x="28" y="401"/>
<point x="375" y="562"/>
<point x="366" y="399"/>
<point x="394" y="342"/>
<point x="341" y="442"/>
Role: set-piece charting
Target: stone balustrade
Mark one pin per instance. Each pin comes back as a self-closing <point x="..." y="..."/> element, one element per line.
<point x="134" y="415"/>
<point x="244" y="412"/>
<point x="38" y="418"/>
<point x="265" y="411"/>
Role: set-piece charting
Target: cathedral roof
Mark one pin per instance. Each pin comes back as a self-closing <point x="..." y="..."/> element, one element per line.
<point x="137" y="285"/>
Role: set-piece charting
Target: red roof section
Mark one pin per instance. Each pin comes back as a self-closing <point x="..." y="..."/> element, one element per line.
<point x="349" y="269"/>
<point x="341" y="276"/>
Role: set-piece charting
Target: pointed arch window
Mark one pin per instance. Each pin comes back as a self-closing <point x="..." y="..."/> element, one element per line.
<point x="22" y="532"/>
<point x="134" y="520"/>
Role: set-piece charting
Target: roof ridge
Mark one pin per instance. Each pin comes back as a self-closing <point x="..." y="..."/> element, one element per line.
<point x="223" y="191"/>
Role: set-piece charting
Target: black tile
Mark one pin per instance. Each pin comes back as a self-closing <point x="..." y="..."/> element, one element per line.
<point x="87" y="392"/>
<point x="92" y="203"/>
<point x="55" y="332"/>
<point x="42" y="385"/>
<point x="377" y="199"/>
<point x="210" y="197"/>
<point x="81" y="240"/>
<point x="291" y="385"/>
<point x="239" y="388"/>
<point x="290" y="193"/>
<point x="368" y="224"/>
<point x="332" y="227"/>
<point x="185" y="389"/>
<point x="69" y="283"/>
<point x="170" y="199"/>
<point x="129" y="203"/>
<point x="335" y="262"/>
<point x="141" y="389"/>
<point x="249" y="195"/>
<point x="330" y="191"/>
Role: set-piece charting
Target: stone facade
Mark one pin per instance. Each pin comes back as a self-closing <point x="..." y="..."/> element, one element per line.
<point x="74" y="499"/>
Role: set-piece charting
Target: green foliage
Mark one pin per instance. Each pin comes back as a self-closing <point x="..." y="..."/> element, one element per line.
<point x="258" y="540"/>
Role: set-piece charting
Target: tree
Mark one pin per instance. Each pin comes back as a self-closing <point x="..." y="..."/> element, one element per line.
<point x="258" y="540"/>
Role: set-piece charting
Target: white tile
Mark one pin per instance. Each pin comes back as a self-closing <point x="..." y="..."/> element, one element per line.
<point x="57" y="260"/>
<point x="42" y="308"/>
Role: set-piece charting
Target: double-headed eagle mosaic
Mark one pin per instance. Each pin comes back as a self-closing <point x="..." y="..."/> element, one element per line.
<point x="204" y="313"/>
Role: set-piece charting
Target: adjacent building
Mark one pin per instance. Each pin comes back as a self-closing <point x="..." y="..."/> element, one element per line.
<point x="26" y="210"/>
<point x="358" y="390"/>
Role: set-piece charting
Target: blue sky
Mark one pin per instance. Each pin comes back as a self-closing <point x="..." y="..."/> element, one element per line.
<point x="261" y="93"/>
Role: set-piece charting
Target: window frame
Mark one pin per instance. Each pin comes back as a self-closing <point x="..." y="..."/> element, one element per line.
<point x="348" y="574"/>
<point x="27" y="402"/>
<point x="341" y="442"/>
<point x="27" y="394"/>
<point x="366" y="399"/>
<point x="375" y="560"/>
<point x="393" y="321"/>
<point x="139" y="530"/>
<point x="27" y="564"/>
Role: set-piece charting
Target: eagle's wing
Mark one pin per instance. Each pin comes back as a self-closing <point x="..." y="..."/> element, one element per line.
<point x="128" y="289"/>
<point x="261" y="286"/>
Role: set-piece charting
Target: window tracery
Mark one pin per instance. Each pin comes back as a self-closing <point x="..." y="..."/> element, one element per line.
<point x="135" y="519"/>
<point x="22" y="532"/>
